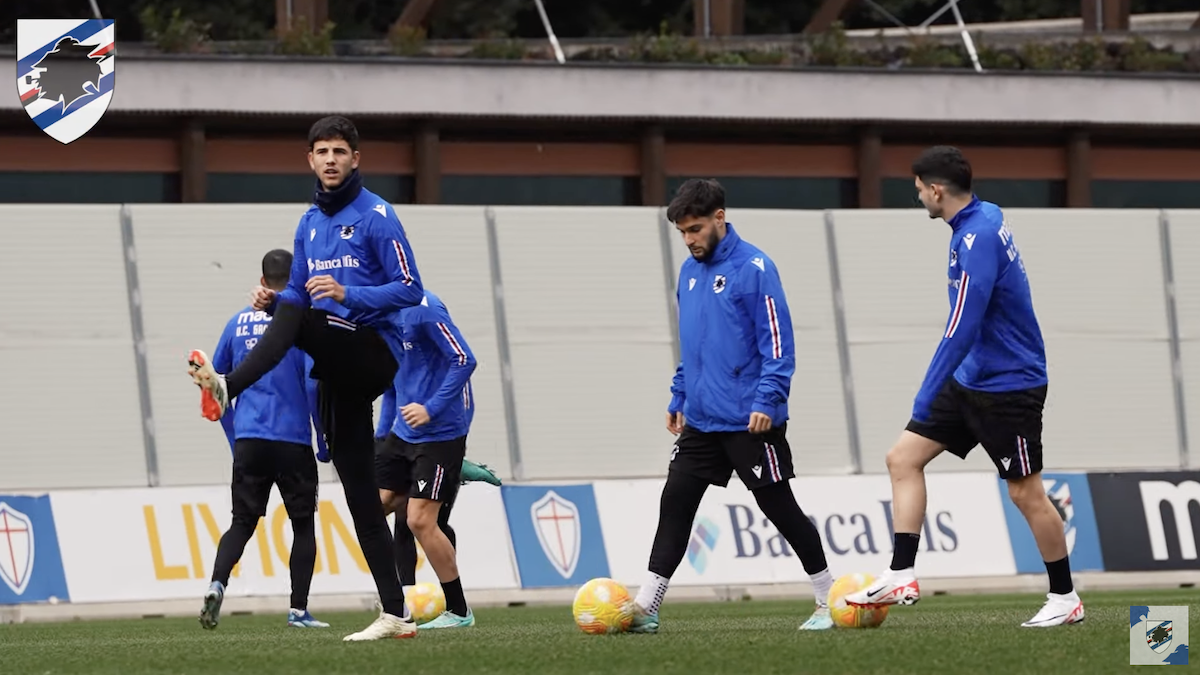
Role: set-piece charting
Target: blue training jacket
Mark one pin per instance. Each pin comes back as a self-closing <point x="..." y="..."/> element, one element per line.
<point x="735" y="335"/>
<point x="435" y="371"/>
<point x="279" y="406"/>
<point x="364" y="248"/>
<point x="992" y="340"/>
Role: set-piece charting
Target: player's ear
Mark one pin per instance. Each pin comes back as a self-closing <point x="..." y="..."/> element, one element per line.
<point x="262" y="281"/>
<point x="311" y="164"/>
<point x="354" y="163"/>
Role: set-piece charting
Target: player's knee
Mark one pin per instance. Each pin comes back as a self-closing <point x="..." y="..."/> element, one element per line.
<point x="899" y="461"/>
<point x="1027" y="493"/>
<point x="422" y="519"/>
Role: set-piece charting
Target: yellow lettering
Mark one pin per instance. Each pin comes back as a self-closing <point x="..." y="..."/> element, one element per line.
<point x="264" y="548"/>
<point x="330" y="521"/>
<point x="189" y="527"/>
<point x="214" y="532"/>
<point x="162" y="571"/>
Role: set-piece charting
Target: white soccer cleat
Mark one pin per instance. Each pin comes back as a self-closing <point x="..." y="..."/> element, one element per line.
<point x="214" y="395"/>
<point x="893" y="587"/>
<point x="386" y="627"/>
<point x="1059" y="610"/>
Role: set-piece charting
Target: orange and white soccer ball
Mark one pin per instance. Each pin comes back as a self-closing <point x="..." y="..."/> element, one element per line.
<point x="848" y="616"/>
<point x="602" y="606"/>
<point x="426" y="602"/>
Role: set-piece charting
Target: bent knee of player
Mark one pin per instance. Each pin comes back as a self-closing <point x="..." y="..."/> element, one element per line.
<point x="911" y="453"/>
<point x="1028" y="493"/>
<point x="423" y="515"/>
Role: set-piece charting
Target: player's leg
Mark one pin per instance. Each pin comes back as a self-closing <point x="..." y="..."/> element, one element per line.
<point x="436" y="469"/>
<point x="216" y="391"/>
<point x="348" y="426"/>
<point x="764" y="464"/>
<point x="1010" y="426"/>
<point x="297" y="479"/>
<point x="393" y="475"/>
<point x="250" y="489"/>
<point x="697" y="461"/>
<point x="918" y="445"/>
<point x="444" y="516"/>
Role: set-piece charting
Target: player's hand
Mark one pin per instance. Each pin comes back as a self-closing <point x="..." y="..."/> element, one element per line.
<point x="325" y="286"/>
<point x="759" y="423"/>
<point x="415" y="415"/>
<point x="675" y="423"/>
<point x="261" y="297"/>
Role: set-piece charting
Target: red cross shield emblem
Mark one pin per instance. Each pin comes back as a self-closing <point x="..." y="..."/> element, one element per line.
<point x="556" y="522"/>
<point x="16" y="548"/>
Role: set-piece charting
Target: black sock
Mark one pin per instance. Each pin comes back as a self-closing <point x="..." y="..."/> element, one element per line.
<point x="455" y="601"/>
<point x="304" y="558"/>
<point x="1060" y="576"/>
<point x="677" y="509"/>
<point x="406" y="552"/>
<point x="904" y="552"/>
<point x="229" y="550"/>
<point x="779" y="505"/>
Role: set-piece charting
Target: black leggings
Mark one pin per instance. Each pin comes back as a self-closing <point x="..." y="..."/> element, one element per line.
<point x="353" y="366"/>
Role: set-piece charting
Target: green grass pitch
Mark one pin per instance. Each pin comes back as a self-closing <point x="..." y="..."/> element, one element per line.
<point x="951" y="634"/>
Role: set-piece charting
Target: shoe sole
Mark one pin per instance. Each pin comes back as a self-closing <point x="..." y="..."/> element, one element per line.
<point x="1052" y="625"/>
<point x="202" y="374"/>
<point x="210" y="616"/>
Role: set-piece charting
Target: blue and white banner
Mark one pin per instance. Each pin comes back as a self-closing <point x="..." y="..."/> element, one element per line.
<point x="31" y="568"/>
<point x="556" y="534"/>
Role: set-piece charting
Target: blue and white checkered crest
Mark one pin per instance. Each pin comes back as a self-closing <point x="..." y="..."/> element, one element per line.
<point x="66" y="69"/>
<point x="1158" y="635"/>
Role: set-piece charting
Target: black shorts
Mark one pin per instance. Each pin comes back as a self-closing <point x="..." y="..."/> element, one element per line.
<point x="1008" y="424"/>
<point x="420" y="470"/>
<point x="759" y="459"/>
<point x="258" y="464"/>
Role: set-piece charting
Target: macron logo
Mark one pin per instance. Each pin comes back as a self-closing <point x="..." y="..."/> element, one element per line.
<point x="381" y="209"/>
<point x="968" y="240"/>
<point x="336" y="263"/>
<point x="758" y="262"/>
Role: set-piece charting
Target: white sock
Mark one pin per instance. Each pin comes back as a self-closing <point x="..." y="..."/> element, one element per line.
<point x="651" y="594"/>
<point x="906" y="575"/>
<point x="822" y="583"/>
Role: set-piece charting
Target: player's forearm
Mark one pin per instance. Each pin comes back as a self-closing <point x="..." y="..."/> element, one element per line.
<point x="387" y="298"/>
<point x="451" y="389"/>
<point x="948" y="357"/>
<point x="773" y="387"/>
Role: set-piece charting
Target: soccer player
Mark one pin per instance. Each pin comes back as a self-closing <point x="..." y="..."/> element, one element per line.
<point x="353" y="268"/>
<point x="406" y="542"/>
<point x="729" y="397"/>
<point x="986" y="385"/>
<point x="271" y="439"/>
<point x="419" y="464"/>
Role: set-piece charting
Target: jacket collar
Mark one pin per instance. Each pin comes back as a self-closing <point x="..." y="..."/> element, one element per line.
<point x="332" y="201"/>
<point x="961" y="217"/>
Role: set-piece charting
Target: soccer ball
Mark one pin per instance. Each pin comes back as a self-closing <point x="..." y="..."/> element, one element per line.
<point x="602" y="606"/>
<point x="848" y="616"/>
<point x="425" y="601"/>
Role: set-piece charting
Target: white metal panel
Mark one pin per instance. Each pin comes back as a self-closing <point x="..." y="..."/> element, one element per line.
<point x="72" y="416"/>
<point x="589" y="333"/>
<point x="795" y="240"/>
<point x="196" y="266"/>
<point x="1185" y="256"/>
<point x="1097" y="283"/>
<point x="451" y="247"/>
<point x="893" y="271"/>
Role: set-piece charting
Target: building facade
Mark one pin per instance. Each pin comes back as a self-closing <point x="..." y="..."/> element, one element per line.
<point x="233" y="130"/>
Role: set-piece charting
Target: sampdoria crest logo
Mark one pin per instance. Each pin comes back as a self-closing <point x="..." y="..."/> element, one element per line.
<point x="66" y="69"/>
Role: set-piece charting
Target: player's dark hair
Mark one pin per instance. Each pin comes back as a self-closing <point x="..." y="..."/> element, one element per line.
<point x="277" y="267"/>
<point x="945" y="165"/>
<point x="696" y="198"/>
<point x="332" y="128"/>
